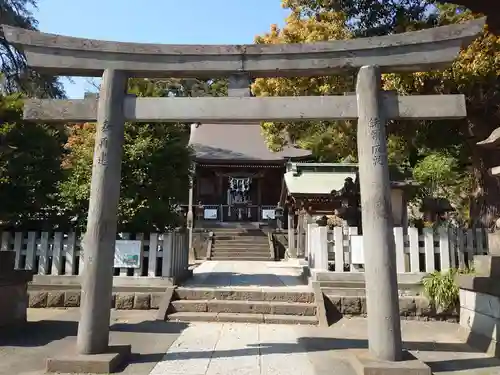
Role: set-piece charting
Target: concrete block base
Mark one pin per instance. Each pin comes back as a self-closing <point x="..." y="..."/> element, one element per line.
<point x="104" y="363"/>
<point x="364" y="364"/>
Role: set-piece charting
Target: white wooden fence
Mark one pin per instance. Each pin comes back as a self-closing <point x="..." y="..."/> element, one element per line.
<point x="60" y="253"/>
<point x="416" y="251"/>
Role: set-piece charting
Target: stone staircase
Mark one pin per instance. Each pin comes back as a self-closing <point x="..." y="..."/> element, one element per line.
<point x="242" y="305"/>
<point x="240" y="244"/>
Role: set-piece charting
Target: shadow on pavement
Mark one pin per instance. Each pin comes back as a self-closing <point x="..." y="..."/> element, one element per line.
<point x="43" y="332"/>
<point x="318" y="344"/>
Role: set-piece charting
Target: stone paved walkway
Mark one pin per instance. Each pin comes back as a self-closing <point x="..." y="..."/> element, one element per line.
<point x="231" y="348"/>
<point x="236" y="349"/>
<point x="246" y="349"/>
<point x="247" y="274"/>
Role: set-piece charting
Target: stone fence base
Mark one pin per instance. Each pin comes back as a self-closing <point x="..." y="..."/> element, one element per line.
<point x="480" y="313"/>
<point x="71" y="298"/>
<point x="411" y="308"/>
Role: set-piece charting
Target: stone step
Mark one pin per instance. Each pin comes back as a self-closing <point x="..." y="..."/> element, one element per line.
<point x="245" y="307"/>
<point x="247" y="253"/>
<point x="241" y="243"/>
<point x="242" y="239"/>
<point x="241" y="258"/>
<point x="239" y="233"/>
<point x="247" y="294"/>
<point x="239" y="247"/>
<point x="242" y="318"/>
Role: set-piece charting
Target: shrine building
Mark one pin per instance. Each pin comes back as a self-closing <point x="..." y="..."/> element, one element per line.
<point x="237" y="178"/>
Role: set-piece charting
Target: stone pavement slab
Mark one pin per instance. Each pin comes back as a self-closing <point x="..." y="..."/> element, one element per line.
<point x="240" y="349"/>
<point x="439" y="344"/>
<point x="247" y="274"/>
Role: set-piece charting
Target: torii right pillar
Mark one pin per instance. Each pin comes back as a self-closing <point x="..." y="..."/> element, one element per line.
<point x="384" y="325"/>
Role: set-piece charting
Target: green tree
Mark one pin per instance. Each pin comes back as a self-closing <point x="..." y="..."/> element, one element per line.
<point x="155" y="175"/>
<point x="475" y="73"/>
<point x="156" y="164"/>
<point x="30" y="169"/>
<point x="15" y="75"/>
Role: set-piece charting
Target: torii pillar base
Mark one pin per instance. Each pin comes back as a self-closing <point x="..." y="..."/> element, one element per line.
<point x="104" y="363"/>
<point x="365" y="364"/>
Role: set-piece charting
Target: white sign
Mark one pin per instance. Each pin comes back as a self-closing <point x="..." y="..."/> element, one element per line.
<point x="210" y="213"/>
<point x="128" y="254"/>
<point x="268" y="214"/>
<point x="357" y="254"/>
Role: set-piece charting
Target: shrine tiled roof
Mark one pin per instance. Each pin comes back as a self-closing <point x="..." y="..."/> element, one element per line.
<point x="237" y="142"/>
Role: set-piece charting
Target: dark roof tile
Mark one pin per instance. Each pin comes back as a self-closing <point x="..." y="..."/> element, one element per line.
<point x="236" y="142"/>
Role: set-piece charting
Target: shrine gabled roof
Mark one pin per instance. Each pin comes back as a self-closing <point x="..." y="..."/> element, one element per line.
<point x="321" y="178"/>
<point x="239" y="142"/>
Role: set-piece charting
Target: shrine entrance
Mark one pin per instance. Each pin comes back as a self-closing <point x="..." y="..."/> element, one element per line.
<point x="236" y="193"/>
<point x="423" y="50"/>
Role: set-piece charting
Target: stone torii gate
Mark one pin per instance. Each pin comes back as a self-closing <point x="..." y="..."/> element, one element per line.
<point x="116" y="62"/>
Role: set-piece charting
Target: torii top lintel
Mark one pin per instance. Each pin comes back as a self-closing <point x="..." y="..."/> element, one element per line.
<point x="408" y="52"/>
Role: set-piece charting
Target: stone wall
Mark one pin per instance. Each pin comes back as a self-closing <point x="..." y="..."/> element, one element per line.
<point x="480" y="315"/>
<point x="410" y="307"/>
<point x="13" y="313"/>
<point x="13" y="291"/>
<point x="119" y="300"/>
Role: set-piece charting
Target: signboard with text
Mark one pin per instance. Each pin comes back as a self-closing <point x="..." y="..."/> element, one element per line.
<point x="128" y="254"/>
<point x="357" y="254"/>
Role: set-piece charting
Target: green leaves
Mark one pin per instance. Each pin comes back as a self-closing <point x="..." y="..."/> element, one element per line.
<point x="155" y="175"/>
<point x="441" y="288"/>
<point x="30" y="160"/>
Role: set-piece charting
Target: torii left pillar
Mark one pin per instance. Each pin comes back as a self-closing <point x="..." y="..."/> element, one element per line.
<point x="99" y="243"/>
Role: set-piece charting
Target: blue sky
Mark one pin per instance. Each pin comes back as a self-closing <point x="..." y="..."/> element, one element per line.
<point x="158" y="21"/>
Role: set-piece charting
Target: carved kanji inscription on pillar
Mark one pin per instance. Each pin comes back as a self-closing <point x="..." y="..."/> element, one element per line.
<point x="378" y="150"/>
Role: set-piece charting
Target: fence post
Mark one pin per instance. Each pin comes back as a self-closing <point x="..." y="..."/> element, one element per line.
<point x="167" y="254"/>
<point x="414" y="250"/>
<point x="152" y="254"/>
<point x="56" y="254"/>
<point x="310" y="243"/>
<point x="400" y="249"/>
<point x="292" y="250"/>
<point x="138" y="271"/>
<point x="31" y="251"/>
<point x="428" y="234"/>
<point x="43" y="261"/>
<point x="5" y="241"/>
<point x="321" y="248"/>
<point x="444" y="250"/>
<point x="338" y="246"/>
<point x="18" y="245"/>
<point x="69" y="267"/>
<point x="176" y="252"/>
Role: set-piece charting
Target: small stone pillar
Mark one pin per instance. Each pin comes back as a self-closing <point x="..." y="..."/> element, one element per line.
<point x="100" y="237"/>
<point x="384" y="325"/>
<point x="13" y="291"/>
